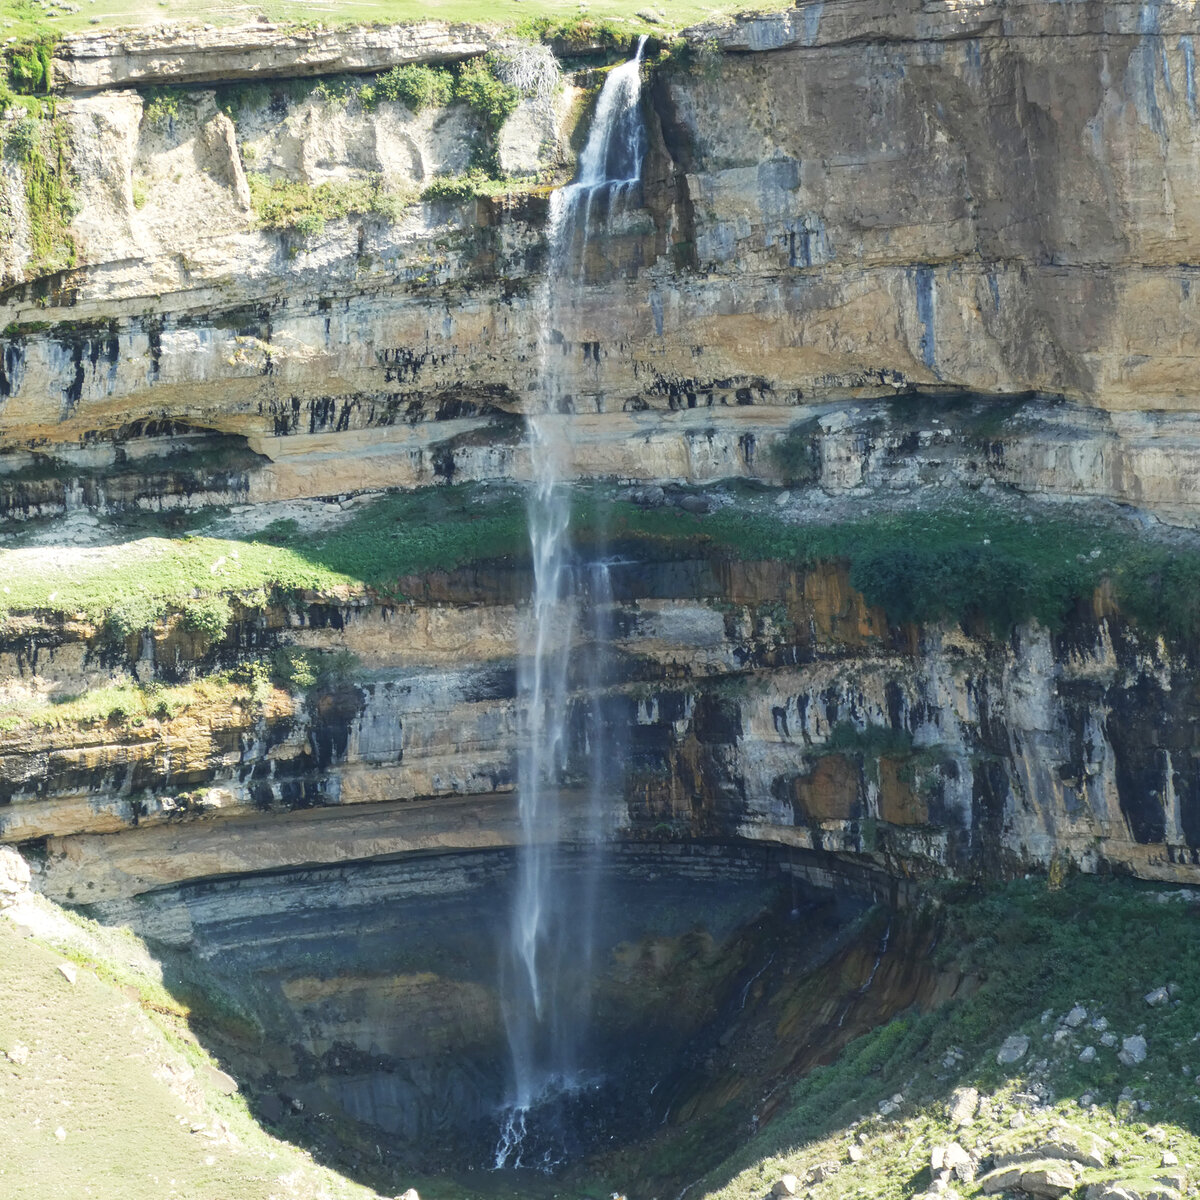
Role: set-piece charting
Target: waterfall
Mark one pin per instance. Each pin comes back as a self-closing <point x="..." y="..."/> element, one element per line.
<point x="544" y="975"/>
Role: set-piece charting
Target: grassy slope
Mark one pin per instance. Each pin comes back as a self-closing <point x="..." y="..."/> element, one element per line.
<point x="20" y="18"/>
<point x="112" y="1065"/>
<point x="1101" y="943"/>
<point x="956" y="560"/>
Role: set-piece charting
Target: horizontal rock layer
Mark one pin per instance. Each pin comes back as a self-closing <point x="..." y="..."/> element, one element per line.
<point x="842" y="205"/>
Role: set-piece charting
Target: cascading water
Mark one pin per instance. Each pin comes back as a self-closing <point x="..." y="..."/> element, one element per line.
<point x="544" y="976"/>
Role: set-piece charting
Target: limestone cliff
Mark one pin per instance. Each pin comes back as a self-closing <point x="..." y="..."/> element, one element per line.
<point x="284" y="293"/>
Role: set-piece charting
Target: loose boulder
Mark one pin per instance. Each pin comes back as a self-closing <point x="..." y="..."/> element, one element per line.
<point x="1013" y="1050"/>
<point x="1133" y="1050"/>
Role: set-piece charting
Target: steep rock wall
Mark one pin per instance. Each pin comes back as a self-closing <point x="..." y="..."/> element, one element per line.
<point x="844" y="206"/>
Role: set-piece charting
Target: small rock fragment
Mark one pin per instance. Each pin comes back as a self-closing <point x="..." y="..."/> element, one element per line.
<point x="822" y="1171"/>
<point x="1076" y="1017"/>
<point x="1169" y="1159"/>
<point x="855" y="1153"/>
<point x="68" y="971"/>
<point x="17" y="1053"/>
<point x="785" y="1186"/>
<point x="1087" y="1054"/>
<point x="61" y="1134"/>
<point x="1108" y="1039"/>
<point x="1050" y="1180"/>
<point x="956" y="1160"/>
<point x="964" y="1102"/>
<point x="1157" y="997"/>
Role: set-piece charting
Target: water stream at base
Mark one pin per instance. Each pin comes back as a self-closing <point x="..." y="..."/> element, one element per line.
<point x="545" y="969"/>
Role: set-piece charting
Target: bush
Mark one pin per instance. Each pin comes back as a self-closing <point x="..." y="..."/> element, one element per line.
<point x="489" y="98"/>
<point x="454" y="187"/>
<point x="132" y="614"/>
<point x="306" y="669"/>
<point x="418" y="87"/>
<point x="24" y="137"/>
<point x="29" y="67"/>
<point x="210" y="616"/>
<point x="161" y="106"/>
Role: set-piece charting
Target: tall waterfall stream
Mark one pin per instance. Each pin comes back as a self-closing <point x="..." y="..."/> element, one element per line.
<point x="544" y="973"/>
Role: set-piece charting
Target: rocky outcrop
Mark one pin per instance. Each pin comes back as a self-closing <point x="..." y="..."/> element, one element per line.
<point x="186" y="55"/>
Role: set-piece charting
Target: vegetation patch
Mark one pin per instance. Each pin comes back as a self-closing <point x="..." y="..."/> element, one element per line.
<point x="1039" y="957"/>
<point x="40" y="146"/>
<point x="29" y="66"/>
<point x="417" y="86"/>
<point x="131" y="586"/>
<point x="130" y="704"/>
<point x="970" y="561"/>
<point x="305" y="208"/>
<point x="580" y="34"/>
<point x="796" y="456"/>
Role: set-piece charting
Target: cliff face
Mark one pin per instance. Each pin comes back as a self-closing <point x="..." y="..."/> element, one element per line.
<point x="283" y="296"/>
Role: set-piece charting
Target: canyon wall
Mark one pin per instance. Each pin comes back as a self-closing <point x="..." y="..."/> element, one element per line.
<point x="949" y="246"/>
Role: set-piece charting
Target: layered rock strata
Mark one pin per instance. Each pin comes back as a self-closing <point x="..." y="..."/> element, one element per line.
<point x="845" y="208"/>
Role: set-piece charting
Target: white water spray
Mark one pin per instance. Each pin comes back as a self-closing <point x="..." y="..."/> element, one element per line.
<point x="543" y="989"/>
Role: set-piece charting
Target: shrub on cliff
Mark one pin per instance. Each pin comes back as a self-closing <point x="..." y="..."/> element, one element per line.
<point x="418" y="87"/>
<point x="489" y="97"/>
<point x="209" y="616"/>
<point x="795" y="455"/>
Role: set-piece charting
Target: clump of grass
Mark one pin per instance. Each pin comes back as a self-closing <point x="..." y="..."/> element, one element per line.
<point x="305" y="208"/>
<point x="29" y="65"/>
<point x="40" y="146"/>
<point x="478" y="182"/>
<point x="161" y="106"/>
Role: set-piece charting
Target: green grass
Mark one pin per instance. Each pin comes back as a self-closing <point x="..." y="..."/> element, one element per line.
<point x="39" y="144"/>
<point x="23" y="20"/>
<point x="303" y="207"/>
<point x="133" y="584"/>
<point x="1031" y="950"/>
<point x="106" y="1064"/>
<point x="971" y="562"/>
<point x="134" y="704"/>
